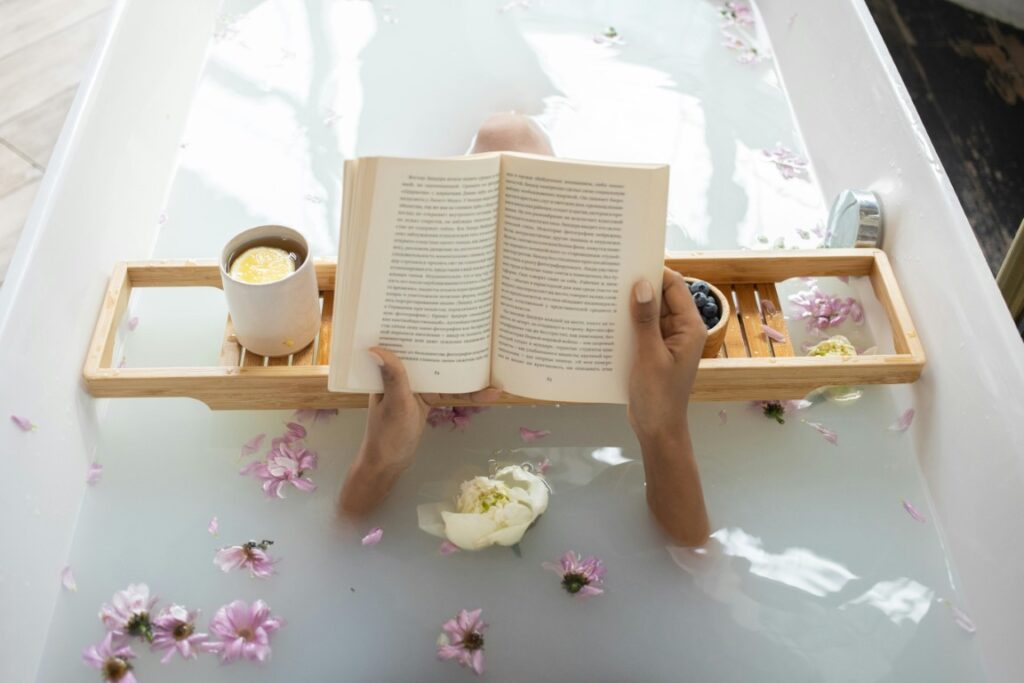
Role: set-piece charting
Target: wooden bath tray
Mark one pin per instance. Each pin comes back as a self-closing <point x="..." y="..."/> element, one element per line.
<point x="750" y="366"/>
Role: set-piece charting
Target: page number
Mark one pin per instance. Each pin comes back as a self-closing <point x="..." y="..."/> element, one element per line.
<point x="437" y="372"/>
<point x="548" y="379"/>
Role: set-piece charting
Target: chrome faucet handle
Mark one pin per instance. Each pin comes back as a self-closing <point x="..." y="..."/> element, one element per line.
<point x="855" y="220"/>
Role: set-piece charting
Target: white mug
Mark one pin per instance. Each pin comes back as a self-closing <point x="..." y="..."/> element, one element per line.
<point x="272" y="318"/>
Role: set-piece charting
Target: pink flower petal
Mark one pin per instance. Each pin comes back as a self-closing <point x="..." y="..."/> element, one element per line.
<point x="913" y="512"/>
<point x="768" y="307"/>
<point x="543" y="466"/>
<point x="901" y="425"/>
<point x="296" y="430"/>
<point x="962" y="620"/>
<point x="214" y="526"/>
<point x="67" y="579"/>
<point x="825" y="432"/>
<point x="773" y="334"/>
<point x="373" y="537"/>
<point x="253" y="444"/>
<point x="531" y="435"/>
<point x="133" y="322"/>
<point x="93" y="474"/>
<point x="449" y="548"/>
<point x="723" y="416"/>
<point x="23" y="423"/>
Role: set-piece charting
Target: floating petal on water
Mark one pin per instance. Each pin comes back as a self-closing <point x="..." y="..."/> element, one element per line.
<point x="253" y="444"/>
<point x="93" y="474"/>
<point x="913" y="512"/>
<point x="905" y="418"/>
<point x="373" y="537"/>
<point x="531" y="435"/>
<point x="67" y="579"/>
<point x="825" y="432"/>
<point x="962" y="620"/>
<point x="23" y="423"/>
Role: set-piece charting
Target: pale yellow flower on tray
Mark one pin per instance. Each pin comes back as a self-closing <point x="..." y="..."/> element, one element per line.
<point x="488" y="510"/>
<point x="833" y="346"/>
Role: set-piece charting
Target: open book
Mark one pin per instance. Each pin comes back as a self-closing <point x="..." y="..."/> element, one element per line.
<point x="497" y="269"/>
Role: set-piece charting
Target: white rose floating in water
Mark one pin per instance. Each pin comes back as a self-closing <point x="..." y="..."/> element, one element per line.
<point x="489" y="510"/>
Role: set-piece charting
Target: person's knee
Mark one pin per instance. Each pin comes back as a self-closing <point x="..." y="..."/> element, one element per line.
<point x="513" y="133"/>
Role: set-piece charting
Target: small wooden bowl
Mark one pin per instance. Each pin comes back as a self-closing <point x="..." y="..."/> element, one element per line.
<point x="716" y="335"/>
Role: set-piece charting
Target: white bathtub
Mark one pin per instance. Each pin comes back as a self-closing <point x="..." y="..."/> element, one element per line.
<point x="107" y="183"/>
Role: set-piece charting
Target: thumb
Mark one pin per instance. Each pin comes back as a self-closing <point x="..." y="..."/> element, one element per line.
<point x="646" y="316"/>
<point x="392" y="372"/>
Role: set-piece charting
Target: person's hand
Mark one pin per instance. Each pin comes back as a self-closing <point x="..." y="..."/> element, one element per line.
<point x="397" y="417"/>
<point x="668" y="348"/>
<point x="394" y="426"/>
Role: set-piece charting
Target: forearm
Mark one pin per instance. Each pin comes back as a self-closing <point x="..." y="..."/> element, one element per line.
<point x="368" y="482"/>
<point x="674" y="492"/>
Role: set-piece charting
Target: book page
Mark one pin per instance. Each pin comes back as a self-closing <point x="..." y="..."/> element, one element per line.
<point x="574" y="238"/>
<point x="423" y="285"/>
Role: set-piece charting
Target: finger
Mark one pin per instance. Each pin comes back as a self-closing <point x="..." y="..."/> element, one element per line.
<point x="646" y="316"/>
<point x="488" y="395"/>
<point x="679" y="313"/>
<point x="676" y="296"/>
<point x="392" y="372"/>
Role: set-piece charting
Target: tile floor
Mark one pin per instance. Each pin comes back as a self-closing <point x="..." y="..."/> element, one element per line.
<point x="45" y="46"/>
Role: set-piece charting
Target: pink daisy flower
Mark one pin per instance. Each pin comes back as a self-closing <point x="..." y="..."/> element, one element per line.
<point x="462" y="639"/>
<point x="112" y="662"/>
<point x="582" y="577"/>
<point x="128" y="614"/>
<point x="243" y="632"/>
<point x="285" y="464"/>
<point x="174" y="630"/>
<point x="458" y="417"/>
<point x="252" y="556"/>
<point x="777" y="410"/>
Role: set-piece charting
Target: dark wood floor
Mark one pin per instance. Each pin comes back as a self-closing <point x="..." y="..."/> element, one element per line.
<point x="965" y="73"/>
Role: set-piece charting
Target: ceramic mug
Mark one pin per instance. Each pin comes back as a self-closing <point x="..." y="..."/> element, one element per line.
<point x="272" y="318"/>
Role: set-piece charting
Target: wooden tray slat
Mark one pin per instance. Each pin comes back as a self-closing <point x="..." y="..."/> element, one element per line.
<point x="734" y="345"/>
<point x="230" y="349"/>
<point x="323" y="344"/>
<point x="253" y="360"/>
<point x="750" y="314"/>
<point x="775" y="319"/>
<point x="749" y="366"/>
<point x="305" y="356"/>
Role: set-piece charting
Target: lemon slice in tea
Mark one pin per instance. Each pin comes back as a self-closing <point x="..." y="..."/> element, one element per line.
<point x="259" y="265"/>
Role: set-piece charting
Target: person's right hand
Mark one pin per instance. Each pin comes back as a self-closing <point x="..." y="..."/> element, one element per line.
<point x="394" y="425"/>
<point x="669" y="343"/>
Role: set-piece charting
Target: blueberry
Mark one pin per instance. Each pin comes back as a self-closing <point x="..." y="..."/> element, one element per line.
<point x="703" y="288"/>
<point x="713" y="321"/>
<point x="693" y="287"/>
<point x="701" y="300"/>
<point x="710" y="309"/>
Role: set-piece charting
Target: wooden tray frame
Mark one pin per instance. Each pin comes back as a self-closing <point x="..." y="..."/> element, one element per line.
<point x="750" y="367"/>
